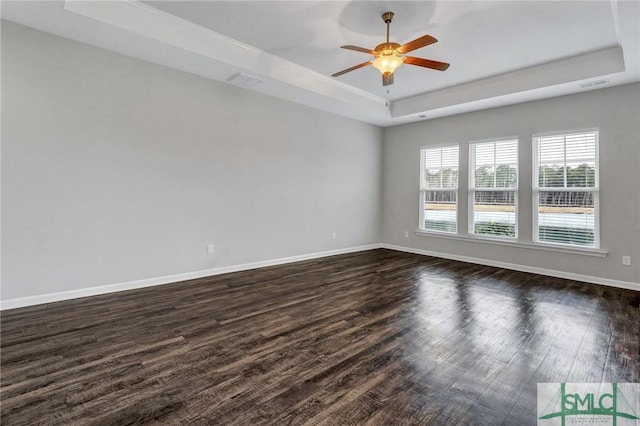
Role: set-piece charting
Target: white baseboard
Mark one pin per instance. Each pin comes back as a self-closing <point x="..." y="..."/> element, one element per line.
<point x="522" y="268"/>
<point x="130" y="285"/>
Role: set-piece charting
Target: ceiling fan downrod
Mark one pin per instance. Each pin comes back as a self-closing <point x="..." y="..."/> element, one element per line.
<point x="387" y="17"/>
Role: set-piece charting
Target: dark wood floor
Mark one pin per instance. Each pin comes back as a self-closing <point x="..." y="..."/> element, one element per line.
<point x="377" y="337"/>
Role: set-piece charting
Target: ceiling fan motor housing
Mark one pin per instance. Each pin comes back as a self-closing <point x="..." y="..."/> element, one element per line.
<point x="384" y="47"/>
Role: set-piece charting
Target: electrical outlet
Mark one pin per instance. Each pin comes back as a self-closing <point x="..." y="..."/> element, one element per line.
<point x="333" y="235"/>
<point x="626" y="260"/>
<point x="209" y="248"/>
<point x="406" y="234"/>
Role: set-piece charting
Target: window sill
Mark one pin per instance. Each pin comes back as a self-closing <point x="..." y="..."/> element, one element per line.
<point x="501" y="242"/>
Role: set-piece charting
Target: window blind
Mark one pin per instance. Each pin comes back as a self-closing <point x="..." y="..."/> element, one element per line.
<point x="493" y="188"/>
<point x="566" y="189"/>
<point x="439" y="189"/>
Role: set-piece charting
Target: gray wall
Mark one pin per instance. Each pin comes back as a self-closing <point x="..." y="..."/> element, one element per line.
<point x="114" y="170"/>
<point x="615" y="111"/>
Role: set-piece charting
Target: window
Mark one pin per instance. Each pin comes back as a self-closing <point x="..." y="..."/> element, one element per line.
<point x="439" y="189"/>
<point x="565" y="189"/>
<point x="493" y="188"/>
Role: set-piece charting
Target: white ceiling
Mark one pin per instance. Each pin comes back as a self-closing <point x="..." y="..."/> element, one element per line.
<point x="500" y="52"/>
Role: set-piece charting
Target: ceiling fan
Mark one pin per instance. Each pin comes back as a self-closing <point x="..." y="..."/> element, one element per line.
<point x="390" y="55"/>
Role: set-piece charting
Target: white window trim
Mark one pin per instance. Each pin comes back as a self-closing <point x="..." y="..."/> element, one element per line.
<point x="424" y="189"/>
<point x="471" y="189"/>
<point x="596" y="251"/>
<point x="536" y="190"/>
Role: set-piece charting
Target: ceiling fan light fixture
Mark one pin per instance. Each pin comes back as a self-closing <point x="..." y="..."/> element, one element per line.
<point x="387" y="63"/>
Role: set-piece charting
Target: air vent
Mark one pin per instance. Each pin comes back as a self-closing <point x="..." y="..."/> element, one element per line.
<point x="244" y="80"/>
<point x="594" y="83"/>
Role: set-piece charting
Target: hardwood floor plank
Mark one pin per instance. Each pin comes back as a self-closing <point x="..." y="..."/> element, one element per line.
<point x="376" y="337"/>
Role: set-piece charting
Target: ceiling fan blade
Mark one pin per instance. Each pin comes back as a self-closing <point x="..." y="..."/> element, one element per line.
<point x="387" y="78"/>
<point x="353" y="68"/>
<point x="361" y="49"/>
<point x="427" y="63"/>
<point x="423" y="41"/>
